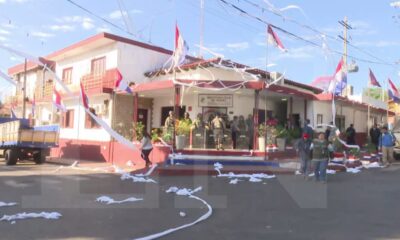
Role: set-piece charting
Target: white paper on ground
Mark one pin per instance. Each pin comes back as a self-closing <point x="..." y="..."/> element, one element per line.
<point x="353" y="170"/>
<point x="149" y="172"/>
<point x="297" y="172"/>
<point x="182" y="214"/>
<point x="372" y="165"/>
<point x="330" y="171"/>
<point x="234" y="181"/>
<point x="255" y="177"/>
<point x="4" y="204"/>
<point x="182" y="192"/>
<point x="109" y="200"/>
<point x="24" y="215"/>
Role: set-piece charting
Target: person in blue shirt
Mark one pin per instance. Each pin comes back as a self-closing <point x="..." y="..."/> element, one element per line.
<point x="386" y="143"/>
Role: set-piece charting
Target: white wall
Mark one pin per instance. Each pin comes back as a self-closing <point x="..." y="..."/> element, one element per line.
<point x="81" y="64"/>
<point x="95" y="134"/>
<point x="134" y="61"/>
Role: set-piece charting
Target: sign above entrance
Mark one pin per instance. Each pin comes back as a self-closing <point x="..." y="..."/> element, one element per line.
<point x="215" y="100"/>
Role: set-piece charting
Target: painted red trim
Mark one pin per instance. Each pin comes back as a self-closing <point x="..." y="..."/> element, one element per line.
<point x="347" y="102"/>
<point x="20" y="67"/>
<point x="30" y="66"/>
<point x="290" y="91"/>
<point x="151" y="86"/>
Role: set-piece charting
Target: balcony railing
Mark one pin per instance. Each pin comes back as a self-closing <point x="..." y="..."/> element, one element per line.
<point x="102" y="82"/>
<point x="44" y="92"/>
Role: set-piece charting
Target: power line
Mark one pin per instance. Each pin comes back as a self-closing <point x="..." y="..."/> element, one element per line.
<point x="101" y="18"/>
<point x="316" y="30"/>
<point x="299" y="37"/>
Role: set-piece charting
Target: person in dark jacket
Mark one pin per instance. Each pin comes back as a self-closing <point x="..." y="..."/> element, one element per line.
<point x="303" y="149"/>
<point x="320" y="157"/>
<point x="375" y="133"/>
<point x="308" y="130"/>
<point x="351" y="135"/>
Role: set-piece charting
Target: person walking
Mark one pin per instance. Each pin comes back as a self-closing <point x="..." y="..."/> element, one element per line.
<point x="386" y="143"/>
<point x="308" y="130"/>
<point x="250" y="130"/>
<point x="320" y="157"/>
<point x="303" y="148"/>
<point x="217" y="125"/>
<point x="374" y="134"/>
<point x="234" y="131"/>
<point x="146" y="147"/>
<point x="351" y="135"/>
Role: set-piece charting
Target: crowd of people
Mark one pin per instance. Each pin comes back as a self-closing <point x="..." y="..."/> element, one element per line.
<point x="316" y="153"/>
<point x="218" y="124"/>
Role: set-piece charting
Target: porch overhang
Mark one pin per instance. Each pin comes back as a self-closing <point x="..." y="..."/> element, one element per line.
<point x="348" y="102"/>
<point x="169" y="84"/>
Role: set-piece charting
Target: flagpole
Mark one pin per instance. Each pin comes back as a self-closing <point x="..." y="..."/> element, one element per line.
<point x="369" y="109"/>
<point x="387" y="103"/>
<point x="79" y="121"/>
<point x="266" y="104"/>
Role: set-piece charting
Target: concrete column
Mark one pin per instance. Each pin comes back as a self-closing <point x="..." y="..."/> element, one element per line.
<point x="255" y="118"/>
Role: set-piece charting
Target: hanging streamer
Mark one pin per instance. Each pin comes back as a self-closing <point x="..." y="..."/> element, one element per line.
<point x="110" y="131"/>
<point x="7" y="78"/>
<point x="39" y="62"/>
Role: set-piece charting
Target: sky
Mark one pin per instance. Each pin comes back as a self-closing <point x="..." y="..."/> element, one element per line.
<point x="39" y="27"/>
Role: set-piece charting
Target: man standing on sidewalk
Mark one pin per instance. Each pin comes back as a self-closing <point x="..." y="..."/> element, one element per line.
<point x="386" y="144"/>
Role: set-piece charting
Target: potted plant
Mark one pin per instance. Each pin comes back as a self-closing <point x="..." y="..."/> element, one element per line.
<point x="182" y="131"/>
<point x="262" y="129"/>
<point x="281" y="137"/>
<point x="138" y="130"/>
<point x="155" y="135"/>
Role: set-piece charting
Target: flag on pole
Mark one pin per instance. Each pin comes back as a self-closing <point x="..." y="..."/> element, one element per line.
<point x="273" y="39"/>
<point x="181" y="48"/>
<point x="372" y="79"/>
<point x="85" y="100"/>
<point x="13" y="115"/>
<point x="393" y="92"/>
<point x="57" y="101"/>
<point x="339" y="80"/>
<point x="122" y="84"/>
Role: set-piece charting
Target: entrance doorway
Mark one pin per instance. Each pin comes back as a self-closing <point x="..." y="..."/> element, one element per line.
<point x="165" y="111"/>
<point x="142" y="117"/>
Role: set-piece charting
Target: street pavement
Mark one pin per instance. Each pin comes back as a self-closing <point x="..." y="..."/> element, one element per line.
<point x="350" y="206"/>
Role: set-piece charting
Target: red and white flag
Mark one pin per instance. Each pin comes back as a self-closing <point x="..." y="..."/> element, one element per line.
<point x="181" y="48"/>
<point x="372" y="79"/>
<point x="57" y="101"/>
<point x="393" y="92"/>
<point x="85" y="100"/>
<point x="122" y="84"/>
<point x="274" y="39"/>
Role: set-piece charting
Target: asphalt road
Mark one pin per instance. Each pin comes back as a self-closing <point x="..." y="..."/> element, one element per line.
<point x="350" y="206"/>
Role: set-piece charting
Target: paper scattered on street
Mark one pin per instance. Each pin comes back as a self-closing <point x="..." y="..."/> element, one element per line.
<point x="109" y="200"/>
<point x="4" y="204"/>
<point x="24" y="215"/>
<point x="255" y="177"/>
<point x="182" y="192"/>
<point x="182" y="214"/>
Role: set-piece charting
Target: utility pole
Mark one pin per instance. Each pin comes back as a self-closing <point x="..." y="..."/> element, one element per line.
<point x="24" y="91"/>
<point x="201" y="28"/>
<point x="346" y="27"/>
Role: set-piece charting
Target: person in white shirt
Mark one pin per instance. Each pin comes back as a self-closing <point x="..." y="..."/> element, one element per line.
<point x="146" y="147"/>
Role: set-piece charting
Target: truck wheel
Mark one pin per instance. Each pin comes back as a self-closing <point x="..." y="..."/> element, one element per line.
<point x="39" y="157"/>
<point x="11" y="156"/>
